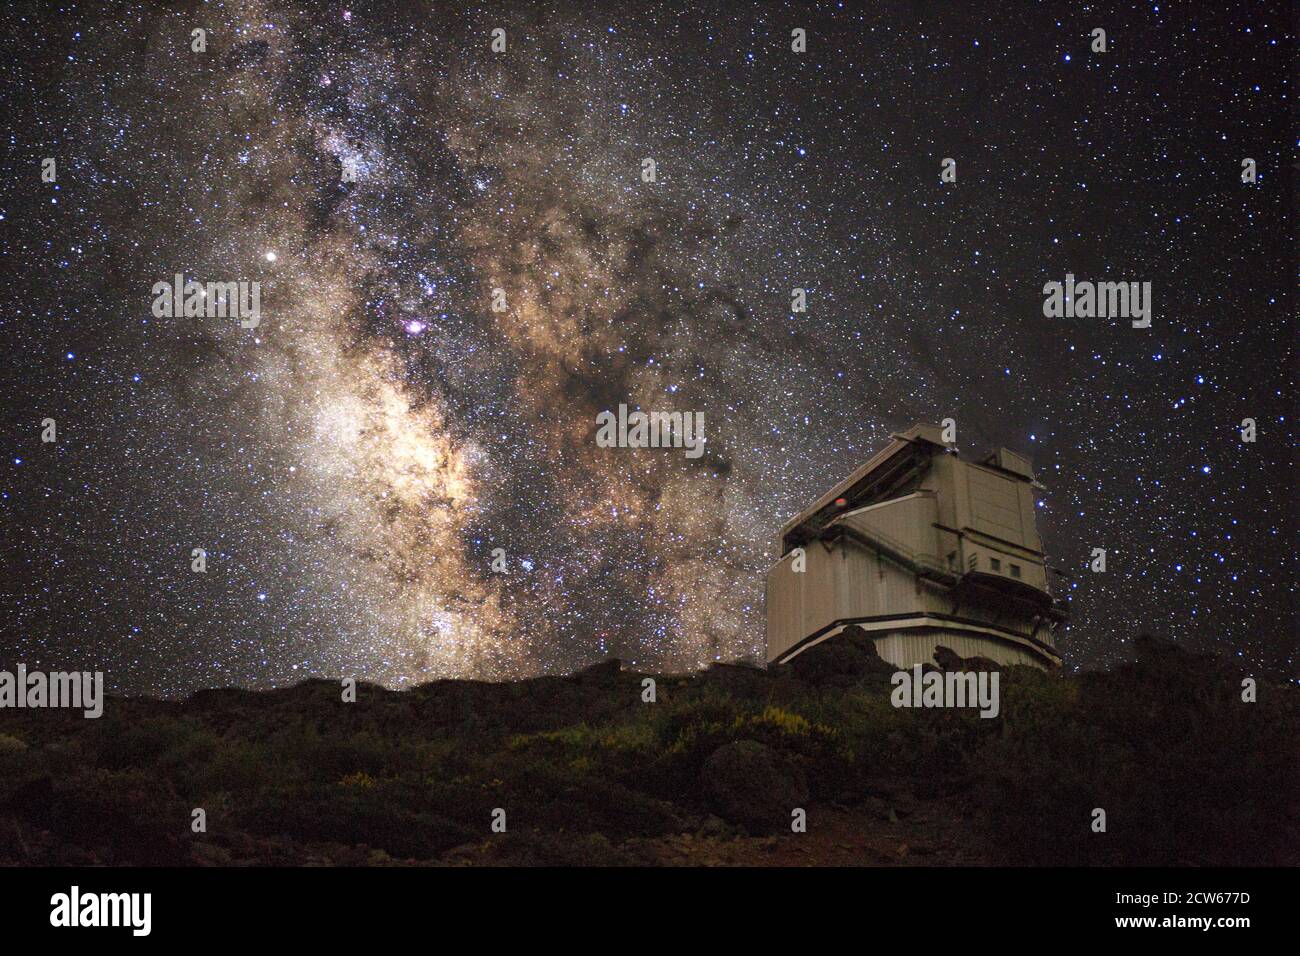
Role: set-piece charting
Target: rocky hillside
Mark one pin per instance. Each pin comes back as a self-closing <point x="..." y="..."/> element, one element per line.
<point x="589" y="772"/>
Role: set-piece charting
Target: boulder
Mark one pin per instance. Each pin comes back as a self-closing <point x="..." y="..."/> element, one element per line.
<point x="749" y="783"/>
<point x="841" y="661"/>
<point x="948" y="660"/>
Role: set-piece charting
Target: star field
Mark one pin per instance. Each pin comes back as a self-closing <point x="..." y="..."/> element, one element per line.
<point x="350" y="464"/>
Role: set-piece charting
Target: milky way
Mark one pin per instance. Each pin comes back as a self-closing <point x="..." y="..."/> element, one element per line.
<point x="351" y="464"/>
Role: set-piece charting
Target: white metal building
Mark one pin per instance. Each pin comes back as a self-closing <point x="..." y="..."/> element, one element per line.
<point x="919" y="547"/>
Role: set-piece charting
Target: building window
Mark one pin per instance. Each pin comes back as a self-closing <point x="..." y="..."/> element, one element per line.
<point x="1015" y="570"/>
<point x="974" y="561"/>
<point x="952" y="560"/>
<point x="995" y="564"/>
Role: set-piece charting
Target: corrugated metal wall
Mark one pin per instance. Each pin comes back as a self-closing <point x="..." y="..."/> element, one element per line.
<point x="845" y="581"/>
<point x="908" y="521"/>
<point x="802" y="603"/>
<point x="871" y="585"/>
<point x="995" y="505"/>
<point x="905" y="648"/>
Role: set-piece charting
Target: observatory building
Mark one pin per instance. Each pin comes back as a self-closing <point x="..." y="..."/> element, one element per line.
<point x="920" y="548"/>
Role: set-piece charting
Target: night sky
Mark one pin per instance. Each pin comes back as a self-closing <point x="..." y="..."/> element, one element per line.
<point x="350" y="464"/>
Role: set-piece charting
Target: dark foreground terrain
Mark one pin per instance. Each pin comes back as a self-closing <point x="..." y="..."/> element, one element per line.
<point x="709" y="773"/>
